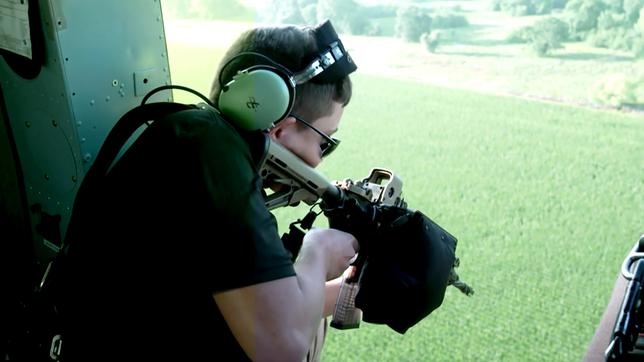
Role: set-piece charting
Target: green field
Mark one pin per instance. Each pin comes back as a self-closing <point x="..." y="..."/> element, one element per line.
<point x="545" y="200"/>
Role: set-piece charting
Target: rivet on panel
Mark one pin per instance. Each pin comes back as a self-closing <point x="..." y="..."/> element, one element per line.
<point x="92" y="102"/>
<point x="107" y="99"/>
<point x="115" y="82"/>
<point x="47" y="177"/>
<point x="74" y="178"/>
<point x="54" y="123"/>
<point x="28" y="124"/>
<point x="87" y="157"/>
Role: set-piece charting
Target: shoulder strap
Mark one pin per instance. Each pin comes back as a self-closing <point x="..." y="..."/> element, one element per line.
<point x="130" y="122"/>
<point x="46" y="295"/>
<point x="124" y="129"/>
<point x="115" y="140"/>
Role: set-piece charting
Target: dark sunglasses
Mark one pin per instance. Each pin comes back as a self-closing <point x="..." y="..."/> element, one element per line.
<point x="330" y="143"/>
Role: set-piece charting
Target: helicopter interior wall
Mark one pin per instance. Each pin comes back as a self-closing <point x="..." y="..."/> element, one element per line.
<point x="100" y="59"/>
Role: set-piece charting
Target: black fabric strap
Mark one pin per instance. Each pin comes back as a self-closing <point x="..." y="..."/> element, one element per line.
<point x="295" y="236"/>
<point x="115" y="140"/>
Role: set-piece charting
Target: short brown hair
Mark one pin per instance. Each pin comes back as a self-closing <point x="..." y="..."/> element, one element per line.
<point x="293" y="47"/>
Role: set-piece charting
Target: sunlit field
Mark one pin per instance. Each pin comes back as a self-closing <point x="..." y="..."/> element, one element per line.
<point x="546" y="199"/>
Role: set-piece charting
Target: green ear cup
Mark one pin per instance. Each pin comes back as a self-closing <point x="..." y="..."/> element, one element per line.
<point x="256" y="98"/>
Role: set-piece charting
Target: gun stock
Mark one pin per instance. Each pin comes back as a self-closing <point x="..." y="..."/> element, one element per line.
<point x="293" y="180"/>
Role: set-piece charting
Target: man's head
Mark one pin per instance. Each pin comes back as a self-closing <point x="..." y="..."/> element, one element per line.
<point x="318" y="103"/>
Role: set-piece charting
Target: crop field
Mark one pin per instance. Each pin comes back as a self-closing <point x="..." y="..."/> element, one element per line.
<point x="545" y="198"/>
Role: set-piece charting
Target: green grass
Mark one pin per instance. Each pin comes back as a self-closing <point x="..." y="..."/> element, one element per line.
<point x="545" y="200"/>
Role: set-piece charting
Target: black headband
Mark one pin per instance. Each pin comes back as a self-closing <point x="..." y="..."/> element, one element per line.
<point x="331" y="63"/>
<point x="335" y="59"/>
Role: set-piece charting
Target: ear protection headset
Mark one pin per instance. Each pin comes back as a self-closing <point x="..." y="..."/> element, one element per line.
<point x="261" y="95"/>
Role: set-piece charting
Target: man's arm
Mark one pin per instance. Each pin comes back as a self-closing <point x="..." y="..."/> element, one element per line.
<point x="277" y="320"/>
<point x="274" y="320"/>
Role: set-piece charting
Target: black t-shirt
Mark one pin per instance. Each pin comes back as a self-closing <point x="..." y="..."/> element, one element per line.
<point x="181" y="215"/>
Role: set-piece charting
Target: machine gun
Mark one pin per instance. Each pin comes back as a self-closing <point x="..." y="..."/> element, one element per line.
<point x="357" y="207"/>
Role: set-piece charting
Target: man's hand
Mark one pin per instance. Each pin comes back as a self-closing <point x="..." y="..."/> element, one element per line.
<point x="278" y="320"/>
<point x="338" y="249"/>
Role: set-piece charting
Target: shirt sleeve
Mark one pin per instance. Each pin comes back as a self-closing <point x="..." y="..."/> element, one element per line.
<point x="246" y="246"/>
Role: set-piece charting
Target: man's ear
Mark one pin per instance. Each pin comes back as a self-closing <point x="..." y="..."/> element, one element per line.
<point x="284" y="126"/>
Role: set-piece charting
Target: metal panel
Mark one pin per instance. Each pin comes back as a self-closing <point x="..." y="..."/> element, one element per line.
<point x="101" y="58"/>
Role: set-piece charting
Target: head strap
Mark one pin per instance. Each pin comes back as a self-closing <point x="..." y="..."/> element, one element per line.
<point x="333" y="62"/>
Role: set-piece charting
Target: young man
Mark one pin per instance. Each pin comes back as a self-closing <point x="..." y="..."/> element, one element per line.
<point x="178" y="258"/>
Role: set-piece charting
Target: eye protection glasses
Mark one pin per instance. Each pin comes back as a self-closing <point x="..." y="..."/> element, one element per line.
<point x="329" y="144"/>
